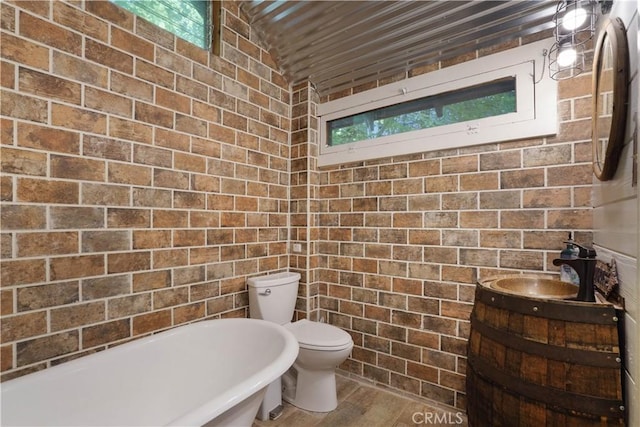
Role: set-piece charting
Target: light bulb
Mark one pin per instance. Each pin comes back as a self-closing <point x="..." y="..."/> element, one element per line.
<point x="567" y="56"/>
<point x="574" y="18"/>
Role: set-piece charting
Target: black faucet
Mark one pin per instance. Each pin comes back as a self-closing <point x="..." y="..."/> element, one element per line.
<point x="585" y="266"/>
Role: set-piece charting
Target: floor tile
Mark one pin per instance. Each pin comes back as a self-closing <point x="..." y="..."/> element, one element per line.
<point x="362" y="405"/>
<point x="421" y="414"/>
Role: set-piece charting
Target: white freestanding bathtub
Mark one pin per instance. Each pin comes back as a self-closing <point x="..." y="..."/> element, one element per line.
<point x="207" y="373"/>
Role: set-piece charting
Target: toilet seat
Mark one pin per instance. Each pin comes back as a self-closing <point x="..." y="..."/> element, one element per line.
<point x="319" y="336"/>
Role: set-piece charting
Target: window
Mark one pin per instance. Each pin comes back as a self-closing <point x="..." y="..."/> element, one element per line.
<point x="470" y="103"/>
<point x="188" y="19"/>
<point x="490" y="99"/>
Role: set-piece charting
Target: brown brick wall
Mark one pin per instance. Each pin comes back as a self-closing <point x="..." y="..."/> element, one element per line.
<point x="143" y="179"/>
<point x="401" y="242"/>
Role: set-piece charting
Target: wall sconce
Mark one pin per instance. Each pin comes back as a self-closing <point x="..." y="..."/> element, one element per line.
<point x="575" y="24"/>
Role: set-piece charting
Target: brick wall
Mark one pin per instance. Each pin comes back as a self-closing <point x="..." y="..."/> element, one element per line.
<point x="143" y="179"/>
<point x="401" y="242"/>
<point x="305" y="182"/>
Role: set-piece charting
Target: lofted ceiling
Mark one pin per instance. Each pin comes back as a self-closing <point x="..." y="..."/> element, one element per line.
<point x="341" y="44"/>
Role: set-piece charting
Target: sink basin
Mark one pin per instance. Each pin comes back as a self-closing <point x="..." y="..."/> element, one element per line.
<point x="535" y="287"/>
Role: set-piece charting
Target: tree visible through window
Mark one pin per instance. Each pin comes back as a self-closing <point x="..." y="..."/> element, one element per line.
<point x="471" y="103"/>
<point x="187" y="19"/>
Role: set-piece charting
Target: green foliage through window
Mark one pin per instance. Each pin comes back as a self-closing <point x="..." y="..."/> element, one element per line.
<point x="470" y="103"/>
<point x="187" y="19"/>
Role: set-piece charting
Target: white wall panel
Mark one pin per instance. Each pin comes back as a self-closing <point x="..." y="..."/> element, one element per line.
<point x="616" y="217"/>
<point x="616" y="227"/>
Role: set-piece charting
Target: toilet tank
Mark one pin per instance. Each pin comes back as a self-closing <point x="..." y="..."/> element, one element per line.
<point x="273" y="297"/>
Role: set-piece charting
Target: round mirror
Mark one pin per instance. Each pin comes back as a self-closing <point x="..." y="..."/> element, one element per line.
<point x="610" y="76"/>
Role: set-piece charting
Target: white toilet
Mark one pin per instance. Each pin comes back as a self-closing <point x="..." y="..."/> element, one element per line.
<point x="310" y="383"/>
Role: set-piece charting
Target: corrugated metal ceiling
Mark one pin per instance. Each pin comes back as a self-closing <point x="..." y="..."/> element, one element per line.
<point x="341" y="44"/>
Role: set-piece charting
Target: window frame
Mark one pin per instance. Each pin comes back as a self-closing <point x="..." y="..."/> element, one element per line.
<point x="428" y="104"/>
<point x="536" y="113"/>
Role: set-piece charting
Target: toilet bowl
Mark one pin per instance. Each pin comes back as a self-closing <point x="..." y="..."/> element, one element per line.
<point x="310" y="383"/>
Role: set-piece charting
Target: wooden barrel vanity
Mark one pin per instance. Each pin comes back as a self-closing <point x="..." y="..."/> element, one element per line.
<point x="543" y="362"/>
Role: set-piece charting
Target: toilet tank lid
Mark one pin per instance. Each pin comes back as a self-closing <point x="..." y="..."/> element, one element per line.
<point x="318" y="334"/>
<point x="273" y="279"/>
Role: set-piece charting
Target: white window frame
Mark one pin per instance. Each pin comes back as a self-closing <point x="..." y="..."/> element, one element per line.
<point x="536" y="114"/>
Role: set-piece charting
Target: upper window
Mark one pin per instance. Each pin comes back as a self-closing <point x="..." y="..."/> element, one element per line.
<point x="470" y="103"/>
<point x="188" y="19"/>
<point x="491" y="99"/>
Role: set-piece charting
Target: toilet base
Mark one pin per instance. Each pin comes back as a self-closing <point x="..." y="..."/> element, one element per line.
<point x="313" y="391"/>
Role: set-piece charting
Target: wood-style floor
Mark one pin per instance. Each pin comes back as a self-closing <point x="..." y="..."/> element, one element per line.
<point x="360" y="404"/>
